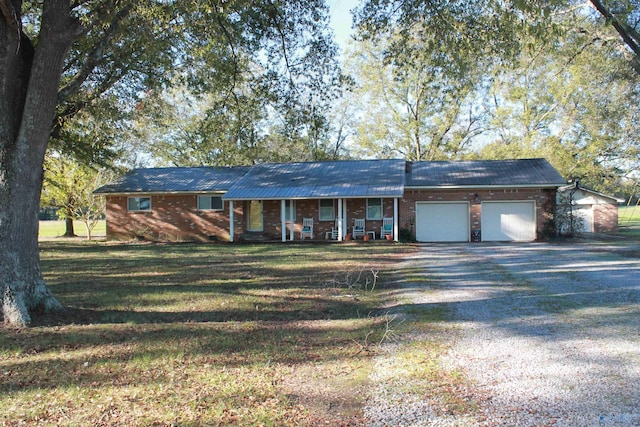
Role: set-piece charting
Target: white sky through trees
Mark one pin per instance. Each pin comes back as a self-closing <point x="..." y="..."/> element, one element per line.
<point x="341" y="20"/>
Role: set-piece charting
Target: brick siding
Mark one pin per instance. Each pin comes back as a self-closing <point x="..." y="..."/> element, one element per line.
<point x="176" y="217"/>
<point x="172" y="218"/>
<point x="545" y="201"/>
<point x="605" y="218"/>
<point x="356" y="208"/>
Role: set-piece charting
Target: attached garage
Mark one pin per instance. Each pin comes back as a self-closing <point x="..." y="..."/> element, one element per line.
<point x="512" y="221"/>
<point x="442" y="222"/>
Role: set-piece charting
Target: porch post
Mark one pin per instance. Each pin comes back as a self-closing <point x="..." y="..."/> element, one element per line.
<point x="291" y="221"/>
<point x="231" y="221"/>
<point x="395" y="219"/>
<point x="283" y="220"/>
<point x="340" y="220"/>
<point x="345" y="226"/>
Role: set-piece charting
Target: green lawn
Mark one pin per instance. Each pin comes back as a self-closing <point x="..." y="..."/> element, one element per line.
<point x="629" y="221"/>
<point x="187" y="334"/>
<point x="49" y="229"/>
<point x="629" y="216"/>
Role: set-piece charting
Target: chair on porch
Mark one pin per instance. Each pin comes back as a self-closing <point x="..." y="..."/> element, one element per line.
<point x="335" y="230"/>
<point x="358" y="228"/>
<point x="307" y="228"/>
<point x="387" y="227"/>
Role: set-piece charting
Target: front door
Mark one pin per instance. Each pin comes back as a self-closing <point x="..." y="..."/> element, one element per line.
<point x="255" y="216"/>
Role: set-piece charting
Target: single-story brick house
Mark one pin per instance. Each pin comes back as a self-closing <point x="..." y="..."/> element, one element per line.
<point x="501" y="200"/>
<point x="582" y="210"/>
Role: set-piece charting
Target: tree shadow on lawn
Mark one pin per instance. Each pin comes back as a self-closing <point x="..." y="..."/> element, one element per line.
<point x="273" y="309"/>
<point x="227" y="268"/>
<point x="131" y="355"/>
<point x="209" y="283"/>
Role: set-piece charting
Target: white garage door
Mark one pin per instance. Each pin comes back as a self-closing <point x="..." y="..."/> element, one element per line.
<point x="508" y="221"/>
<point x="442" y="222"/>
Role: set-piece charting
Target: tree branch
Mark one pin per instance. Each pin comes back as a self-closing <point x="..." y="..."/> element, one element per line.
<point x="93" y="57"/>
<point x="628" y="34"/>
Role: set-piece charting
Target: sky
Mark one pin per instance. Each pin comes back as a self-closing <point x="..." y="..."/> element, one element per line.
<point x="341" y="19"/>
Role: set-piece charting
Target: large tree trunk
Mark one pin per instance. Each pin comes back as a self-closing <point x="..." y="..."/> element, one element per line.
<point x="69" y="231"/>
<point x="28" y="96"/>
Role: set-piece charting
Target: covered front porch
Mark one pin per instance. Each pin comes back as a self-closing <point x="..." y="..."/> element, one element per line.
<point x="317" y="219"/>
<point x="278" y="197"/>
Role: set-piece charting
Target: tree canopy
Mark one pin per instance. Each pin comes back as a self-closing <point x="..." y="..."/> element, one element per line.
<point x="58" y="58"/>
<point x="550" y="79"/>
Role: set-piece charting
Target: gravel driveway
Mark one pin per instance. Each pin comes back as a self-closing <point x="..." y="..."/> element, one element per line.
<point x="547" y="335"/>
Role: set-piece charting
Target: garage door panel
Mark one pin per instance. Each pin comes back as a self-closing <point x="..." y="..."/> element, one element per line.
<point x="508" y="221"/>
<point x="442" y="222"/>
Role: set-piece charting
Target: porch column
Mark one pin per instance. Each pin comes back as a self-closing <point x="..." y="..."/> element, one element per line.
<point x="345" y="226"/>
<point x="283" y="219"/>
<point x="340" y="220"/>
<point x="292" y="210"/>
<point x="231" y="221"/>
<point x="395" y="219"/>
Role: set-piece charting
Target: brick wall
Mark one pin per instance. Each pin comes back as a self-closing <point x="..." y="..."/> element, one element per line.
<point x="176" y="217"/>
<point x="605" y="218"/>
<point x="545" y="200"/>
<point x="356" y="208"/>
<point x="172" y="218"/>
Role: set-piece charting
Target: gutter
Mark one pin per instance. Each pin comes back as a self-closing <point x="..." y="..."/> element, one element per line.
<point x="158" y="193"/>
<point x="480" y="187"/>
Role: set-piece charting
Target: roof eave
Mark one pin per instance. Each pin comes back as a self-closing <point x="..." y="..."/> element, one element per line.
<point x="156" y="193"/>
<point x="597" y="193"/>
<point x="481" y="187"/>
<point x="372" y="196"/>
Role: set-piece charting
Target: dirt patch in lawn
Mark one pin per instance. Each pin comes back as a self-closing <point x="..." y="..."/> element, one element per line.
<point x="332" y="392"/>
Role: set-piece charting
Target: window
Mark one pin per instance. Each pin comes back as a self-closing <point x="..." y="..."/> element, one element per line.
<point x="326" y="211"/>
<point x="287" y="210"/>
<point x="139" y="203"/>
<point x="374" y="208"/>
<point x="212" y="203"/>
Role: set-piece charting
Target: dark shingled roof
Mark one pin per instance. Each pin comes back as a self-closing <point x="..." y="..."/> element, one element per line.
<point x="502" y="173"/>
<point x="331" y="179"/>
<point x="175" y="180"/>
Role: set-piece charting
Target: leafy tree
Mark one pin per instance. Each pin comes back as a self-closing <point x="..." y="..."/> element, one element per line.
<point x="59" y="190"/>
<point x="69" y="186"/>
<point x="624" y="17"/>
<point x="91" y="208"/>
<point x="489" y="29"/>
<point x="412" y="110"/>
<point x="58" y="57"/>
<point x="89" y="141"/>
<point x="572" y="98"/>
<point x="575" y="103"/>
<point x="181" y="128"/>
<point x="254" y="117"/>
